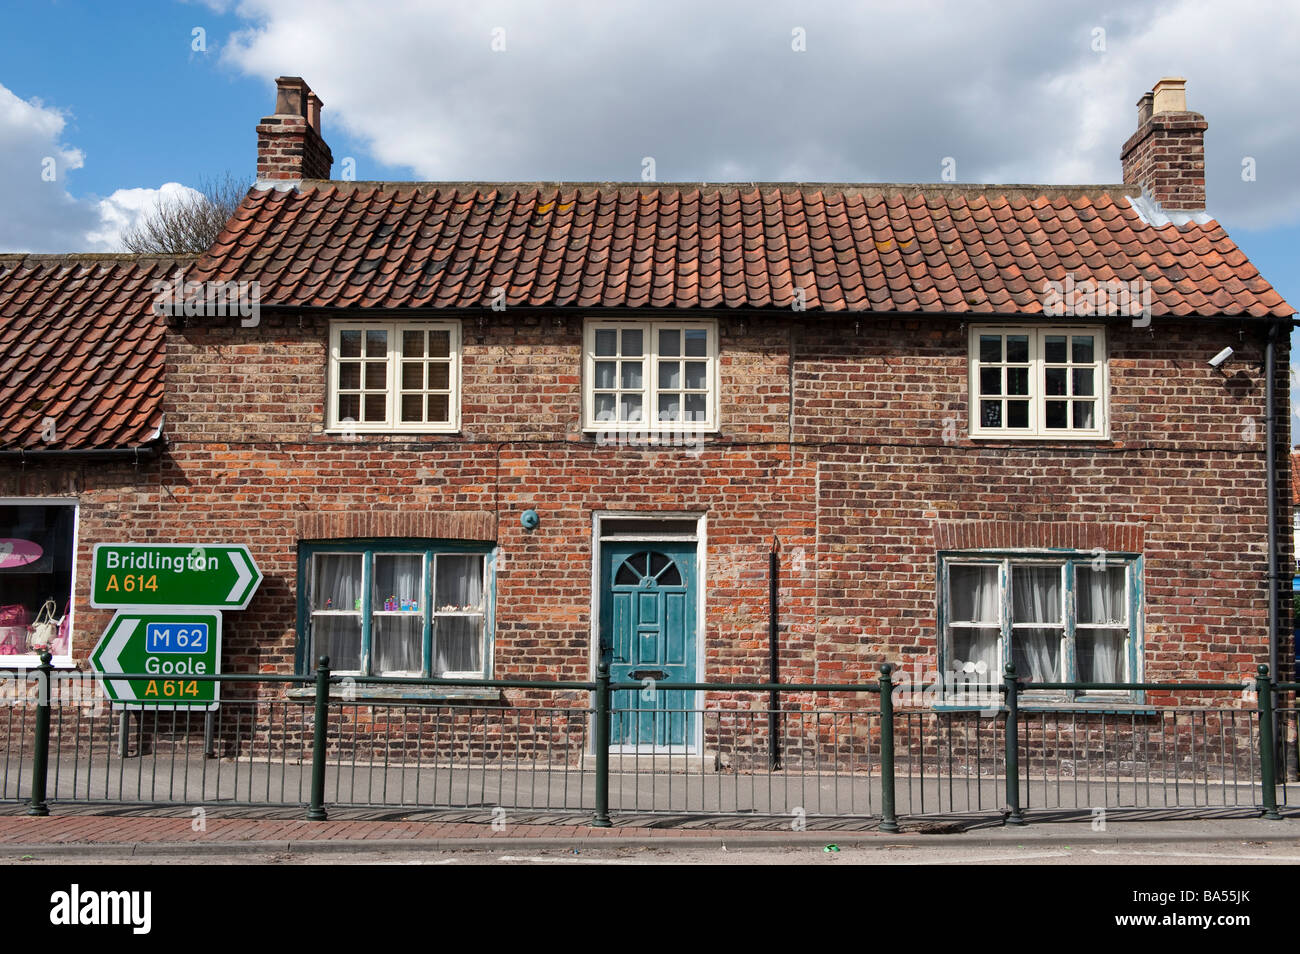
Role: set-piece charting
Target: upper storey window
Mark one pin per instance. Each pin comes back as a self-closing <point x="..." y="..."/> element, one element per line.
<point x="394" y="376"/>
<point x="651" y="375"/>
<point x="1038" y="382"/>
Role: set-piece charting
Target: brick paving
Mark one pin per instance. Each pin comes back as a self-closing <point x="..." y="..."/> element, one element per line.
<point x="137" y="831"/>
<point x="133" y="829"/>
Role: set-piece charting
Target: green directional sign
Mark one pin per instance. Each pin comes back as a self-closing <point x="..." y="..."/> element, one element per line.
<point x="218" y="575"/>
<point x="169" y="646"/>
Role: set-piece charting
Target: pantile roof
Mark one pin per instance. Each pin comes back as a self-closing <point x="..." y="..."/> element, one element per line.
<point x="983" y="250"/>
<point x="81" y="352"/>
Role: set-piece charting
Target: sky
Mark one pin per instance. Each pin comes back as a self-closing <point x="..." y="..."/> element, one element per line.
<point x="106" y="106"/>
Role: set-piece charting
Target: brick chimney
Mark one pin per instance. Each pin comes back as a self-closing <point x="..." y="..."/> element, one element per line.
<point x="289" y="143"/>
<point x="1166" y="156"/>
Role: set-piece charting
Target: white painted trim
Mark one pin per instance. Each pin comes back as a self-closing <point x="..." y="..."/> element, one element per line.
<point x="650" y="386"/>
<point x="392" y="425"/>
<point x="1037" y="396"/>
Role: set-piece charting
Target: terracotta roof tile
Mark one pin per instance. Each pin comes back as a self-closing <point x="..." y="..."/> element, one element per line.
<point x="849" y="248"/>
<point x="79" y="343"/>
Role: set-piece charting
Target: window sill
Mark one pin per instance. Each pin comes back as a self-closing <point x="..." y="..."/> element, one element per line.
<point x="1021" y="438"/>
<point x="648" y="431"/>
<point x="356" y="432"/>
<point x="1064" y="707"/>
<point x="372" y="693"/>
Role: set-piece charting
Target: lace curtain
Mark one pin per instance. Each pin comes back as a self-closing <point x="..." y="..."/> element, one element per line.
<point x="458" y="623"/>
<point x="1036" y="599"/>
<point x="398" y="605"/>
<point x="974" y="598"/>
<point x="397" y="614"/>
<point x="1038" y="623"/>
<point x="1102" y="599"/>
<point x="335" y="620"/>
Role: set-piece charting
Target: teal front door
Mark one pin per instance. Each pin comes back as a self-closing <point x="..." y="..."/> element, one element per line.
<point x="648" y="616"/>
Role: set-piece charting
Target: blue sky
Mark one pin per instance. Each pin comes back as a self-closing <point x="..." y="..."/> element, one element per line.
<point x="139" y="101"/>
<point x="584" y="90"/>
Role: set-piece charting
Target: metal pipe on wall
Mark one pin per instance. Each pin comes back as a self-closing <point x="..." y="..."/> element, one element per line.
<point x="773" y="643"/>
<point x="1270" y="463"/>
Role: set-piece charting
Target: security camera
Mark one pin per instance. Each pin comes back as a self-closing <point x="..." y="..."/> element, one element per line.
<point x="1221" y="357"/>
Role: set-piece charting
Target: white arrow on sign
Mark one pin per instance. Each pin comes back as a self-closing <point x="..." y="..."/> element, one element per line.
<point x="110" y="660"/>
<point x="241" y="567"/>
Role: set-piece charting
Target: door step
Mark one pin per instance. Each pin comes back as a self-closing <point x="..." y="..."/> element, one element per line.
<point x="694" y="763"/>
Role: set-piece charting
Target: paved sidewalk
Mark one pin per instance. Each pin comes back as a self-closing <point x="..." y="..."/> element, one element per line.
<point x="147" y="834"/>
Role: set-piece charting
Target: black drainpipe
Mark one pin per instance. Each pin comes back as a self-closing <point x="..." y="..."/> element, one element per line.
<point x="1270" y="462"/>
<point x="1274" y="577"/>
<point x="773" y="630"/>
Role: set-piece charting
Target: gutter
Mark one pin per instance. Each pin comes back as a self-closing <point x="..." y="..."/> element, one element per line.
<point x="136" y="454"/>
<point x="646" y="313"/>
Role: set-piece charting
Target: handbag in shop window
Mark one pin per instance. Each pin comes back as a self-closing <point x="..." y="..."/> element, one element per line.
<point x="44" y="629"/>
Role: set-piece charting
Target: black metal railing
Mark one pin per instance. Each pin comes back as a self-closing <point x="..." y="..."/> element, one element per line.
<point x="841" y="750"/>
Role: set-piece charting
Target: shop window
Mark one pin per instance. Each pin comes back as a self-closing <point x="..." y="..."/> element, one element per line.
<point x="37" y="553"/>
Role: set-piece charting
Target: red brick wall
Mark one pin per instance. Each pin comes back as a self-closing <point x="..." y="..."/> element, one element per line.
<point x="859" y="491"/>
<point x="288" y="148"/>
<point x="1166" y="156"/>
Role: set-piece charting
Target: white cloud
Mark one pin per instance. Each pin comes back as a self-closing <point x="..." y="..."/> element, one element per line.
<point x="40" y="213"/>
<point x="125" y="207"/>
<point x="585" y="89"/>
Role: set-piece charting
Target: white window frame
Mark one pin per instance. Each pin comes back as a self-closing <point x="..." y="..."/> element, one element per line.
<point x="66" y="660"/>
<point x="1134" y="648"/>
<point x="1037" y="391"/>
<point x="391" y="423"/>
<point x="650" y="377"/>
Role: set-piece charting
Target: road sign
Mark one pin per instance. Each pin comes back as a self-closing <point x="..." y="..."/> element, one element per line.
<point x="170" y="644"/>
<point x="216" y="575"/>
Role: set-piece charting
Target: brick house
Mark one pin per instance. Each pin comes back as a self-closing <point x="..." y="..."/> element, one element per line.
<point x="475" y="427"/>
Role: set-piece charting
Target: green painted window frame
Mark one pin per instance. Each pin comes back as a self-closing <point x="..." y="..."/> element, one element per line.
<point x="1069" y="560"/>
<point x="368" y="548"/>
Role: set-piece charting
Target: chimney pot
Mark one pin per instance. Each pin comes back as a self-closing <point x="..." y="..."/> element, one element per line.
<point x="313" y="111"/>
<point x="1170" y="95"/>
<point x="290" y="93"/>
<point x="1144" y="108"/>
